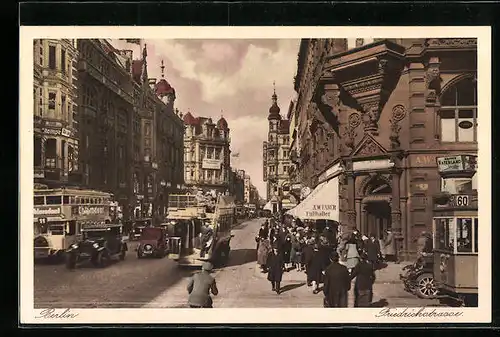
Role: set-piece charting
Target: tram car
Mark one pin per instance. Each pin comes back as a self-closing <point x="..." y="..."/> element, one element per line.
<point x="201" y="233"/>
<point x="455" y="229"/>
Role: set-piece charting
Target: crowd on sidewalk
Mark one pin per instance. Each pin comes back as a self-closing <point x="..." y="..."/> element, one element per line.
<point x="327" y="258"/>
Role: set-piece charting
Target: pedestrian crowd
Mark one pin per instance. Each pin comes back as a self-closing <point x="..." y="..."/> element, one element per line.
<point x="325" y="256"/>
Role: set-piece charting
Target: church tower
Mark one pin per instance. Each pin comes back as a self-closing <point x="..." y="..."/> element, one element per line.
<point x="272" y="147"/>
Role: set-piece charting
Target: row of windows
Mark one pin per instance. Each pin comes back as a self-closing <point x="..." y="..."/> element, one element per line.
<point x="285" y="140"/>
<point x="68" y="200"/>
<point x="272" y="154"/>
<point x="272" y="169"/>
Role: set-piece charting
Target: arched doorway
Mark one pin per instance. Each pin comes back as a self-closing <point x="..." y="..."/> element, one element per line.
<point x="377" y="207"/>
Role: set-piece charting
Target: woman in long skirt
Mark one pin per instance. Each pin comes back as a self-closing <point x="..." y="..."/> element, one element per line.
<point x="262" y="254"/>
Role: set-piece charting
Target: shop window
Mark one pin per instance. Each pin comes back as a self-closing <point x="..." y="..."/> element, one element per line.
<point x="52" y="57"/>
<point x="458" y="113"/>
<point x="444" y="234"/>
<point x="37" y="151"/>
<point x="50" y="153"/>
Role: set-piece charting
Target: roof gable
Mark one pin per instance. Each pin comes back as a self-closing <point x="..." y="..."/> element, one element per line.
<point x="368" y="146"/>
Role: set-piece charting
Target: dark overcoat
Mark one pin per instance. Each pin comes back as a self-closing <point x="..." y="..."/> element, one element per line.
<point x="275" y="266"/>
<point x="337" y="285"/>
<point x="317" y="263"/>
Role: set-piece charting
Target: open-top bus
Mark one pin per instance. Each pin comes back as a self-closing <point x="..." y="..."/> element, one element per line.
<point x="199" y="232"/>
<point x="455" y="229"/>
<point x="60" y="214"/>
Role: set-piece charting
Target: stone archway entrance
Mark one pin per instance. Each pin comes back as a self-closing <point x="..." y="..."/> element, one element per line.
<point x="376" y="208"/>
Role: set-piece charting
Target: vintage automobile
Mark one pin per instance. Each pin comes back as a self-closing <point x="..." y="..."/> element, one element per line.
<point x="418" y="278"/>
<point x="138" y="226"/>
<point x="152" y="243"/>
<point x="99" y="244"/>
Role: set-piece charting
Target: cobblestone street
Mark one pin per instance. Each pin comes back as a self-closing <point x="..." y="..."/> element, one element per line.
<point x="242" y="285"/>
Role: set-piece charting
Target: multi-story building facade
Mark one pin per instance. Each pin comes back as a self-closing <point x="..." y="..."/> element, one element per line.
<point x="237" y="185"/>
<point x="125" y="128"/>
<point x="55" y="117"/>
<point x="276" y="159"/>
<point x="207" y="156"/>
<point x="374" y="117"/>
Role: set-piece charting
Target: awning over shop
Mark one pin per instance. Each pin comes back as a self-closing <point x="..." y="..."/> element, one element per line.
<point x="321" y="204"/>
<point x="268" y="206"/>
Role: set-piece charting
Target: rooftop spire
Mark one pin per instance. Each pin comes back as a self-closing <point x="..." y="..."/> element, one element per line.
<point x="274" y="97"/>
<point x="162" y="69"/>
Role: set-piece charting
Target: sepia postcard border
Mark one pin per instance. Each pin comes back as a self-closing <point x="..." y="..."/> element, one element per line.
<point x="29" y="315"/>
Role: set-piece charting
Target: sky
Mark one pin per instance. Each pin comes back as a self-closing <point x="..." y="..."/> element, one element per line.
<point x="230" y="77"/>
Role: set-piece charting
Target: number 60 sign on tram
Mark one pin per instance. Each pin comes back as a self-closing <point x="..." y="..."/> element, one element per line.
<point x="461" y="200"/>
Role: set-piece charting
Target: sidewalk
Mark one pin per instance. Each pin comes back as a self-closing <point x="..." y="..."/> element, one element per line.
<point x="387" y="275"/>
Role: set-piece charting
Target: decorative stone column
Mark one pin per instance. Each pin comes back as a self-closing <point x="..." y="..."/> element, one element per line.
<point x="351" y="211"/>
<point x="364" y="223"/>
<point x="396" y="208"/>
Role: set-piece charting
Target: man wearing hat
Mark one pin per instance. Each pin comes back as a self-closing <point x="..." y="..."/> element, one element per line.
<point x="337" y="283"/>
<point x="200" y="286"/>
<point x="390" y="247"/>
<point x="363" y="286"/>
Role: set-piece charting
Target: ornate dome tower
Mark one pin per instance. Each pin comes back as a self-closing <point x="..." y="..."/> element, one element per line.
<point x="163" y="89"/>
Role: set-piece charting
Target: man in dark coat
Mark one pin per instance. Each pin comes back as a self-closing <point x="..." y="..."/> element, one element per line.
<point x="275" y="267"/>
<point x="363" y="286"/>
<point x="200" y="286"/>
<point x="263" y="234"/>
<point x="372" y="252"/>
<point x="317" y="264"/>
<point x="337" y="284"/>
<point x="376" y="243"/>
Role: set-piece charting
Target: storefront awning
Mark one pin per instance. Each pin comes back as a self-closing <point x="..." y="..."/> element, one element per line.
<point x="268" y="206"/>
<point x="321" y="204"/>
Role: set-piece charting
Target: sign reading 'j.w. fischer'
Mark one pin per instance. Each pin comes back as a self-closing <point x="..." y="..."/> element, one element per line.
<point x="321" y="211"/>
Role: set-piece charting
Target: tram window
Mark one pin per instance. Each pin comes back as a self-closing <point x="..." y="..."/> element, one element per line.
<point x="464" y="235"/>
<point x="71" y="229"/>
<point x="86" y="201"/>
<point x="66" y="199"/>
<point x="476" y="234"/>
<point x="444" y="234"/>
<point x="56" y="229"/>
<point x="72" y="200"/>
<point x="53" y="200"/>
<point x="38" y="200"/>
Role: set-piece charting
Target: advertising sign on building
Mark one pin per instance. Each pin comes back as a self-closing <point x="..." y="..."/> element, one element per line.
<point x="52" y="132"/>
<point x="211" y="164"/>
<point x="368" y="165"/>
<point x="66" y="132"/>
<point x="447" y="164"/>
<point x="47" y="210"/>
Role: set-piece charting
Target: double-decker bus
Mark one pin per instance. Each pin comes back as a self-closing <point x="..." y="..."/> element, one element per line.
<point x="59" y="215"/>
<point x="199" y="231"/>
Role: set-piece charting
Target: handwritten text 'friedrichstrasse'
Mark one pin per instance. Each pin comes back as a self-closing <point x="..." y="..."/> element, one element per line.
<point x="416" y="312"/>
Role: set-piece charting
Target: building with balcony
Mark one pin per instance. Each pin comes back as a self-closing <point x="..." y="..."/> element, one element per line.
<point x="276" y="159"/>
<point x="56" y="142"/>
<point x="371" y="118"/>
<point x="207" y="155"/>
<point x="130" y="135"/>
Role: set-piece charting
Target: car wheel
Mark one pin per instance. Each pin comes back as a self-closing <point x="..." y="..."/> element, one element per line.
<point x="426" y="288"/>
<point x="71" y="261"/>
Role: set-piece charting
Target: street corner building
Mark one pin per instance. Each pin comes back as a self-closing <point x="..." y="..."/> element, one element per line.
<point x="368" y="124"/>
<point x="276" y="160"/>
<point x="101" y="123"/>
<point x="207" y="161"/>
